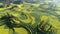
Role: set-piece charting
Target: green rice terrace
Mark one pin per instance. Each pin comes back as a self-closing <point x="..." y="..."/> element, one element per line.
<point x="30" y="18"/>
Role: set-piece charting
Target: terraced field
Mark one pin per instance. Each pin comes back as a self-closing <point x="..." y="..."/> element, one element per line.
<point x="27" y="18"/>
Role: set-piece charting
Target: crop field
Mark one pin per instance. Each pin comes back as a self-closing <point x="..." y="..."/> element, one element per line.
<point x="30" y="18"/>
